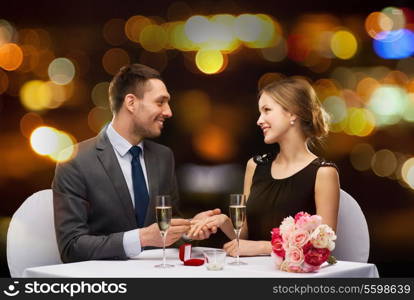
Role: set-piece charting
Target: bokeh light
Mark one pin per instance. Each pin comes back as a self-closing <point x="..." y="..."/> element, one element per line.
<point x="35" y="95"/>
<point x="198" y="29"/>
<point x="153" y="38"/>
<point x="98" y="117"/>
<point x="114" y="59"/>
<point x="11" y="56"/>
<point x="192" y="109"/>
<point x="48" y="141"/>
<point x="396" y="15"/>
<point x="100" y="95"/>
<point x="113" y="32"/>
<point x="214" y="143"/>
<point x="361" y="156"/>
<point x="134" y="27"/>
<point x="384" y="163"/>
<point x="276" y="53"/>
<point x="4" y="82"/>
<point x="44" y="140"/>
<point x="407" y="172"/>
<point x="344" y="44"/>
<point x="209" y="61"/>
<point x="376" y="23"/>
<point x="336" y="107"/>
<point x="61" y="71"/>
<point x="6" y="32"/>
<point x="388" y="103"/>
<point x="29" y="122"/>
<point x="395" y="44"/>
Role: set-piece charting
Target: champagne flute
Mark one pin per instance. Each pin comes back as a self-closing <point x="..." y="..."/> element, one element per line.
<point x="238" y="216"/>
<point x="163" y="212"/>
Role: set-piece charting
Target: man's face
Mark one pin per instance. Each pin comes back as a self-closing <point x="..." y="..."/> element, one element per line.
<point x="152" y="110"/>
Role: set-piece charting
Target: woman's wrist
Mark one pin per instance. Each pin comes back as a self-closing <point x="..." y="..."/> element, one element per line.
<point x="266" y="247"/>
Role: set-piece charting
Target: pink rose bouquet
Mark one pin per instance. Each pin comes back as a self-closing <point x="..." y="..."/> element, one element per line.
<point x="302" y="243"/>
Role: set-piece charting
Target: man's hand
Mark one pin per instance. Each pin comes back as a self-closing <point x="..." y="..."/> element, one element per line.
<point x="151" y="235"/>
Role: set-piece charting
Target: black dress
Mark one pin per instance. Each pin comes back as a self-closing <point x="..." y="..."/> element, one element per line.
<point x="271" y="200"/>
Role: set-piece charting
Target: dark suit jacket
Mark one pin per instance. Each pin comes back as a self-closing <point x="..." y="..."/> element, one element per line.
<point x="92" y="204"/>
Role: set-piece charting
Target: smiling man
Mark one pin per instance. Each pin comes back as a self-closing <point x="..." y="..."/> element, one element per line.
<point x="104" y="198"/>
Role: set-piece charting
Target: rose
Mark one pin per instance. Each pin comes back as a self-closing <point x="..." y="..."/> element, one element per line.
<point x="307" y="268"/>
<point x="294" y="256"/>
<point x="277" y="243"/>
<point x="287" y="226"/>
<point x="299" y="238"/>
<point x="323" y="237"/>
<point x="300" y="215"/>
<point x="309" y="223"/>
<point x="315" y="256"/>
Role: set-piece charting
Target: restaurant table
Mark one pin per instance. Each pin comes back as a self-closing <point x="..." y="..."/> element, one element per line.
<point x="143" y="266"/>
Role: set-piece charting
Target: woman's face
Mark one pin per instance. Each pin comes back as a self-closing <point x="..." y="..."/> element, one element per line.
<point x="274" y="120"/>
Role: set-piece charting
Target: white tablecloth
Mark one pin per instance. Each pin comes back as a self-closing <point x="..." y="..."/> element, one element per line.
<point x="143" y="266"/>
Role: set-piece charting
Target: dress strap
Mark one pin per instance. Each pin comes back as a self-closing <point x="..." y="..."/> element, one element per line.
<point x="264" y="158"/>
<point x="321" y="162"/>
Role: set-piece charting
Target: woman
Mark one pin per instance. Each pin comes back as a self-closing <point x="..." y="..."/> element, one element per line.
<point x="290" y="180"/>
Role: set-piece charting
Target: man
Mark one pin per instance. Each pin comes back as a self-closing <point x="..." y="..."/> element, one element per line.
<point x="104" y="197"/>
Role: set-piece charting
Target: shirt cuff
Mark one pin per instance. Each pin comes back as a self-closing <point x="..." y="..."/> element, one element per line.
<point x="132" y="243"/>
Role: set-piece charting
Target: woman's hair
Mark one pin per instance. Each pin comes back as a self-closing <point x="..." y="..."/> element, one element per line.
<point x="297" y="96"/>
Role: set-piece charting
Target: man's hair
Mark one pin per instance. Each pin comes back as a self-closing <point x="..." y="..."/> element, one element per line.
<point x="130" y="79"/>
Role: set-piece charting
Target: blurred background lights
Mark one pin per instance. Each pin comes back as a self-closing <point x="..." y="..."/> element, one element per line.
<point x="48" y="141"/>
<point x="396" y="15"/>
<point x="98" y="117"/>
<point x="395" y="44"/>
<point x="99" y="94"/>
<point x="209" y="61"/>
<point x="114" y="33"/>
<point x="249" y="27"/>
<point x="44" y="140"/>
<point x="6" y="32"/>
<point x="134" y="26"/>
<point x="153" y="38"/>
<point x="344" y="44"/>
<point x="376" y="23"/>
<point x="29" y="122"/>
<point x="35" y="95"/>
<point x="4" y="82"/>
<point x="61" y="71"/>
<point x="384" y="163"/>
<point x="11" y="56"/>
<point x="361" y="156"/>
<point x="336" y="107"/>
<point x="407" y="172"/>
<point x="198" y="29"/>
<point x="114" y="59"/>
<point x="388" y="103"/>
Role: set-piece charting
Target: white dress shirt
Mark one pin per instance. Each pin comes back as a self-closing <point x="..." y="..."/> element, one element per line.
<point x="131" y="240"/>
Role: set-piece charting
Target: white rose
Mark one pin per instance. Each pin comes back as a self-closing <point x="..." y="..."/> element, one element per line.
<point x="323" y="237"/>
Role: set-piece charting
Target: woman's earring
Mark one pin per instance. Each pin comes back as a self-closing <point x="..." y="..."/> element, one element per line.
<point x="292" y="122"/>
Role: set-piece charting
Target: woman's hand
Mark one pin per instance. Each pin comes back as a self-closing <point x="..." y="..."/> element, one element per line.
<point x="206" y="224"/>
<point x="248" y="248"/>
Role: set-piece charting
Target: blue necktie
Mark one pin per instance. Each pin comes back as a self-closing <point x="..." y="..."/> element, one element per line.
<point x="140" y="188"/>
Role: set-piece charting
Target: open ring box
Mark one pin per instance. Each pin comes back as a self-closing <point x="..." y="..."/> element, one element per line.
<point x="185" y="256"/>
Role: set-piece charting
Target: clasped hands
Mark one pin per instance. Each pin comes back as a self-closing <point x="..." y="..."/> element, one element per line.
<point x="150" y="236"/>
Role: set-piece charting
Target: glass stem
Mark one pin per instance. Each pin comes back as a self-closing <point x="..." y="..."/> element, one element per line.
<point x="238" y="245"/>
<point x="164" y="260"/>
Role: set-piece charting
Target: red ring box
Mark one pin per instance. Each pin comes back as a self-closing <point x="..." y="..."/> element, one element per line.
<point x="185" y="256"/>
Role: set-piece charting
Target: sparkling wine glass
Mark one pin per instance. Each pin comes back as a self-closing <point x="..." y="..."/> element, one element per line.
<point x="163" y="211"/>
<point x="237" y="210"/>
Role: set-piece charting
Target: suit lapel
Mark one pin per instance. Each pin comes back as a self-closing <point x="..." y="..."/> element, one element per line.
<point x="107" y="157"/>
<point x="151" y="161"/>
